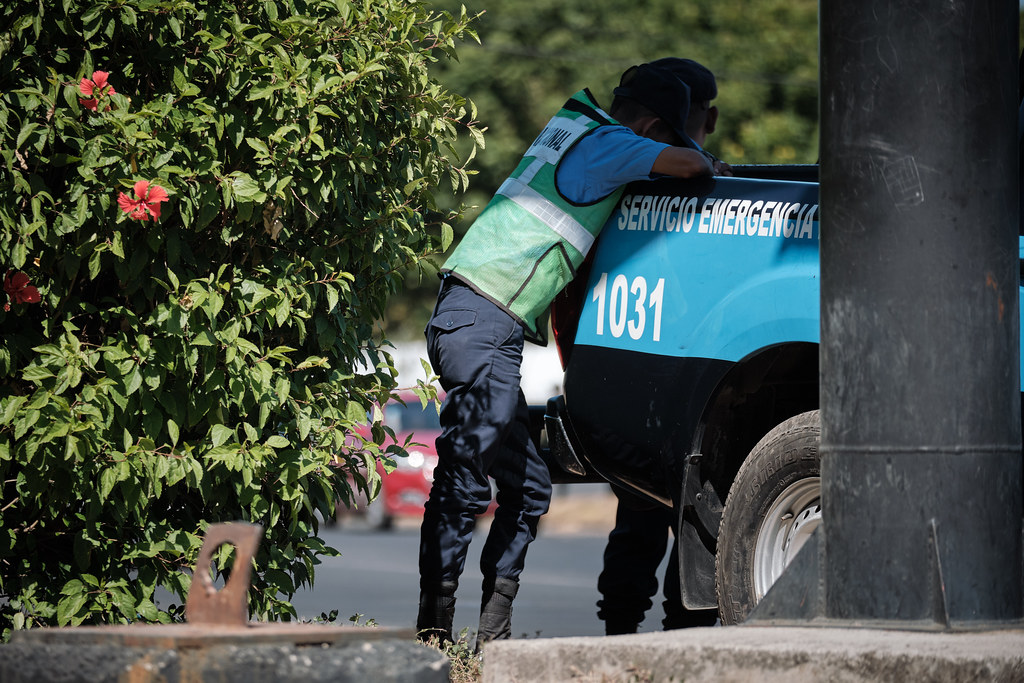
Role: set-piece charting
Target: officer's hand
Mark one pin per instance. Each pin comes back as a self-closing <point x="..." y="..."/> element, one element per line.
<point x="722" y="168"/>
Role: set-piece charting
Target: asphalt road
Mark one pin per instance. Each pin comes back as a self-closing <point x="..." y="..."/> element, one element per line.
<point x="376" y="576"/>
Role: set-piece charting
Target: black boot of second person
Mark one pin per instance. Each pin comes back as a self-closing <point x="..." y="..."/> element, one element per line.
<point x="496" y="610"/>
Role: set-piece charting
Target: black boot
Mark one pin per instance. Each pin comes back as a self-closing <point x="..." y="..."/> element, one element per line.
<point x="496" y="610"/>
<point x="437" y="612"/>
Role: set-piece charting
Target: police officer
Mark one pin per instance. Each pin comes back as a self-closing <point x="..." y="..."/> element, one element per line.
<point x="495" y="292"/>
<point x="636" y="545"/>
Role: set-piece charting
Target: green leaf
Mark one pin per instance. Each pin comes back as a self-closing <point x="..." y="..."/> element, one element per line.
<point x="447" y="237"/>
<point x="116" y="247"/>
<point x="258" y="145"/>
<point x="277" y="442"/>
<point x="125" y="603"/>
<point x="36" y="373"/>
<point x="204" y="338"/>
<point x="19" y="253"/>
<point x="69" y="607"/>
<point x="244" y="187"/>
<point x="282" y="389"/>
<point x="133" y="382"/>
<point x="178" y="79"/>
<point x="172" y="431"/>
<point x="304" y="424"/>
<point x="250" y="433"/>
<point x="147" y="610"/>
<point x="95" y="263"/>
<point x="27" y="421"/>
<point x="26" y="130"/>
<point x="162" y="159"/>
<point x="355" y="412"/>
<point x="219" y="434"/>
<point x="332" y="298"/>
<point x="108" y="480"/>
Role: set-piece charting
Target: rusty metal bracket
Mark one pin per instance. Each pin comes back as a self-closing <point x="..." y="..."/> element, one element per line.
<point x="228" y="606"/>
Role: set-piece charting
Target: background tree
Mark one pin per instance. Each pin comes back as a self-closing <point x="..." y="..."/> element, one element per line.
<point x="204" y="209"/>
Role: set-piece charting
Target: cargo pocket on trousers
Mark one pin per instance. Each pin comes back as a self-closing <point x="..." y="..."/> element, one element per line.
<point x="446" y="321"/>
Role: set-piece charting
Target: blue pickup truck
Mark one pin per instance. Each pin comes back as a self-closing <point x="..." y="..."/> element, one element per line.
<point x="690" y="348"/>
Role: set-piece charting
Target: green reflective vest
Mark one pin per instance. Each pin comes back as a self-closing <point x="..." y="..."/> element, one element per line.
<point x="529" y="240"/>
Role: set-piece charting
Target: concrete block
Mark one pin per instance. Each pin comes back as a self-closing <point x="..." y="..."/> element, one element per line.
<point x="384" y="661"/>
<point x="762" y="654"/>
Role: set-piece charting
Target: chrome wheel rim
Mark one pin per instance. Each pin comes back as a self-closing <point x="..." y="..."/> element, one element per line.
<point x="789" y="523"/>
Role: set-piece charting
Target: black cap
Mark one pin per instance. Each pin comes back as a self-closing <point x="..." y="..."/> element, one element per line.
<point x="662" y="92"/>
<point x="696" y="75"/>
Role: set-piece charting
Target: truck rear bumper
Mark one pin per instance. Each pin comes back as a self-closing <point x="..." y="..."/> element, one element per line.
<point x="550" y="435"/>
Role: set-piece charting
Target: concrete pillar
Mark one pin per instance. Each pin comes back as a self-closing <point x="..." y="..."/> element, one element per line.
<point x="920" y="403"/>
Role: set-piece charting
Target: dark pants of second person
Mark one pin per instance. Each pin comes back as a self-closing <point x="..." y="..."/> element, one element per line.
<point x="476" y="348"/>
<point x="629" y="579"/>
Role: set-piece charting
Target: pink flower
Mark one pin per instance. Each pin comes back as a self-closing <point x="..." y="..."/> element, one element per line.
<point x="147" y="204"/>
<point x="95" y="88"/>
<point x="19" y="290"/>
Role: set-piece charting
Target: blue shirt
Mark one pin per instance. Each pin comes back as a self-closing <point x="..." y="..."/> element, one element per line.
<point x="605" y="160"/>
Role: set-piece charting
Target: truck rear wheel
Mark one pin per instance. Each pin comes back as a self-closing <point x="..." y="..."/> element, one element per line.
<point x="772" y="508"/>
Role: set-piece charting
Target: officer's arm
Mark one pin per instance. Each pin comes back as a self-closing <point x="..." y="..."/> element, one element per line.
<point x="682" y="162"/>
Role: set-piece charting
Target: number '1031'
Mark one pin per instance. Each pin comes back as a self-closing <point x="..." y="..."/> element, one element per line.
<point x="627" y="304"/>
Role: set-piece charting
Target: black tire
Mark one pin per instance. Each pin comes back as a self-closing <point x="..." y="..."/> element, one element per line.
<point x="773" y="506"/>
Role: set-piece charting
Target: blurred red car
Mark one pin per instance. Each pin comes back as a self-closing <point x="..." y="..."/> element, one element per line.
<point x="404" y="490"/>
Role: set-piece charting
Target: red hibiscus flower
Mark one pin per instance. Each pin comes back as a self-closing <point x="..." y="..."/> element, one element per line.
<point x="95" y="88"/>
<point x="19" y="290"/>
<point x="147" y="204"/>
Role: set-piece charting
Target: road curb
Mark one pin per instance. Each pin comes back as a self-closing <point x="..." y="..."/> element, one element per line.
<point x="765" y="654"/>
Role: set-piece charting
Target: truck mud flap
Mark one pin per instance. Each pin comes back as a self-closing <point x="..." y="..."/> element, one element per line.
<point x="698" y="538"/>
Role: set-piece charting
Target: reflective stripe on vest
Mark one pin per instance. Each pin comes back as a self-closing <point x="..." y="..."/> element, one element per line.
<point x="567" y="227"/>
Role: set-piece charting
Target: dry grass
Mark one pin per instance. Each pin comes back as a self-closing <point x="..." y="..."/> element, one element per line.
<point x="466" y="667"/>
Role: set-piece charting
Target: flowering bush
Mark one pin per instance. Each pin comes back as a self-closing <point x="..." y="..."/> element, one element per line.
<point x="204" y="208"/>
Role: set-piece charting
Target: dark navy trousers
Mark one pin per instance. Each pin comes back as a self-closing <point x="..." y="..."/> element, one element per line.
<point x="476" y="348"/>
<point x="629" y="578"/>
